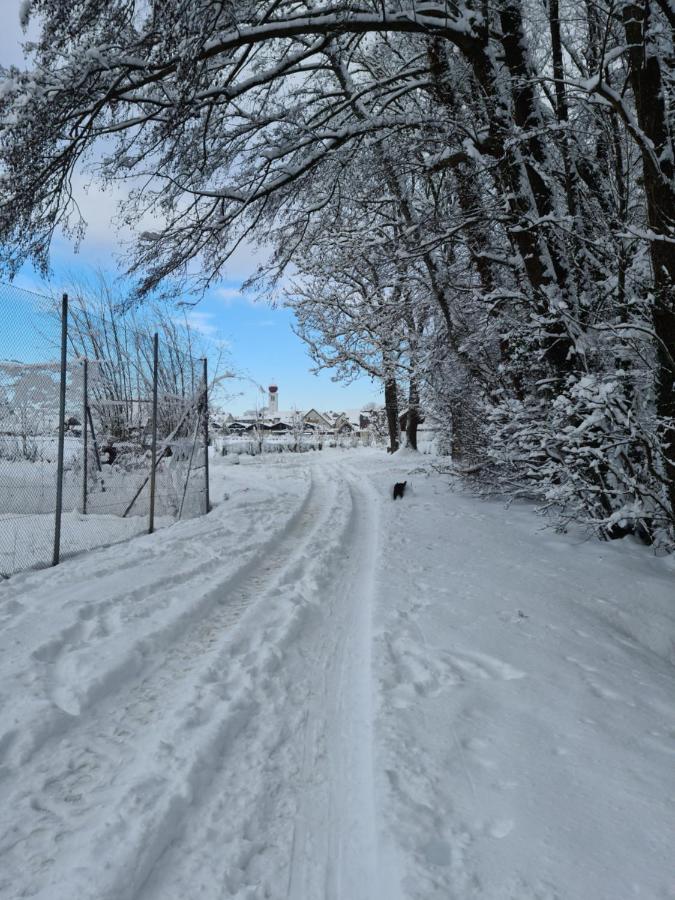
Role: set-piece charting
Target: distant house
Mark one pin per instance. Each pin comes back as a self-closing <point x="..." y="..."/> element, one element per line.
<point x="359" y="419"/>
<point x="314" y="417"/>
<point x="342" y="425"/>
<point x="236" y="426"/>
<point x="270" y="418"/>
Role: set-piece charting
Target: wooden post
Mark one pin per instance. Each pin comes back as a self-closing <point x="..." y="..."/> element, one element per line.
<point x="155" y="367"/>
<point x="62" y="431"/>
<point x="85" y="433"/>
<point x="205" y="413"/>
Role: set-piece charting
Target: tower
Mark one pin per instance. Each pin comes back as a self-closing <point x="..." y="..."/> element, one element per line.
<point x="273" y="405"/>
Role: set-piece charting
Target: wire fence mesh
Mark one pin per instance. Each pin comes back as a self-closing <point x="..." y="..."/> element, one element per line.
<point x="125" y="469"/>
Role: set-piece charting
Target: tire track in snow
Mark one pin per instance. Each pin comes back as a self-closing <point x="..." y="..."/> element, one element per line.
<point x="291" y="811"/>
<point x="83" y="653"/>
<point x="133" y="729"/>
<point x="341" y="713"/>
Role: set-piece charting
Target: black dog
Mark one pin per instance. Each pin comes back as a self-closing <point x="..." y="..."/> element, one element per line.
<point x="399" y="489"/>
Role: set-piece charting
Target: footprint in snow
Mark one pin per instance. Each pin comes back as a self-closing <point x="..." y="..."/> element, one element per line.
<point x="501" y="828"/>
<point x="428" y="673"/>
<point x="471" y="666"/>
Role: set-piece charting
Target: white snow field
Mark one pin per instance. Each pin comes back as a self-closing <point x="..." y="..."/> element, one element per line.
<point x="318" y="693"/>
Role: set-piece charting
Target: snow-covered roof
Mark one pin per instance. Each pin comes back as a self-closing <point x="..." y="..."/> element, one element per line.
<point x="353" y="416"/>
<point x="284" y="415"/>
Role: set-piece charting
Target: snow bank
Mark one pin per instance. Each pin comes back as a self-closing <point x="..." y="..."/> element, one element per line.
<point x="526" y="714"/>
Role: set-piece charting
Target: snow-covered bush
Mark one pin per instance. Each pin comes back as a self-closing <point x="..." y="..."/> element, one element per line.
<point x="590" y="453"/>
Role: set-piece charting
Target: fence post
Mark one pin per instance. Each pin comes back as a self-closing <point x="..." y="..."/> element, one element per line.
<point x="85" y="433"/>
<point x="205" y="413"/>
<point x="155" y="367"/>
<point x="62" y="430"/>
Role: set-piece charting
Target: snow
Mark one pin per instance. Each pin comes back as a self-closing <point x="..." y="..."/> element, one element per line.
<point x="27" y="541"/>
<point x="315" y="692"/>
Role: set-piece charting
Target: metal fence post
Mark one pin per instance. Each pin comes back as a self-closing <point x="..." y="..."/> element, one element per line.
<point x="205" y="413"/>
<point x="85" y="433"/>
<point x="153" y="464"/>
<point x="62" y="431"/>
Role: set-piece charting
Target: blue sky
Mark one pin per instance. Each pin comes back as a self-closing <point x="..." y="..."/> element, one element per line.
<point x="261" y="342"/>
<point x="258" y="338"/>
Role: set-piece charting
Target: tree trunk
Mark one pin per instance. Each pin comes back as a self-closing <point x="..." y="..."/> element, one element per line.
<point x="659" y="177"/>
<point x="391" y="407"/>
<point x="413" y="417"/>
<point x="468" y="439"/>
<point x="518" y="174"/>
<point x="460" y="428"/>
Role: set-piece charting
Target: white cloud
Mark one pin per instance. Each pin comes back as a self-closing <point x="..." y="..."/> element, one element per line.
<point x="12" y="35"/>
<point x="201" y="322"/>
<point x="245" y="261"/>
<point x="229" y="294"/>
<point x="99" y="207"/>
<point x="104" y="240"/>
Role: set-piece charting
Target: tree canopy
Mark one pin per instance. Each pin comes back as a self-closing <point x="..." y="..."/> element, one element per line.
<point x="477" y="198"/>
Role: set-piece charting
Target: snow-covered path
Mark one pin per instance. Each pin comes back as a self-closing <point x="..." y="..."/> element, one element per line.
<point x="317" y="693"/>
<point x="293" y="797"/>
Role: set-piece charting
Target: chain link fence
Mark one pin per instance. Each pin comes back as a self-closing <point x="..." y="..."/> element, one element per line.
<point x="103" y="429"/>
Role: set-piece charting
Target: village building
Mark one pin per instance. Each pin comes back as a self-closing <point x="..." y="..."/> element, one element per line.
<point x="270" y="418"/>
